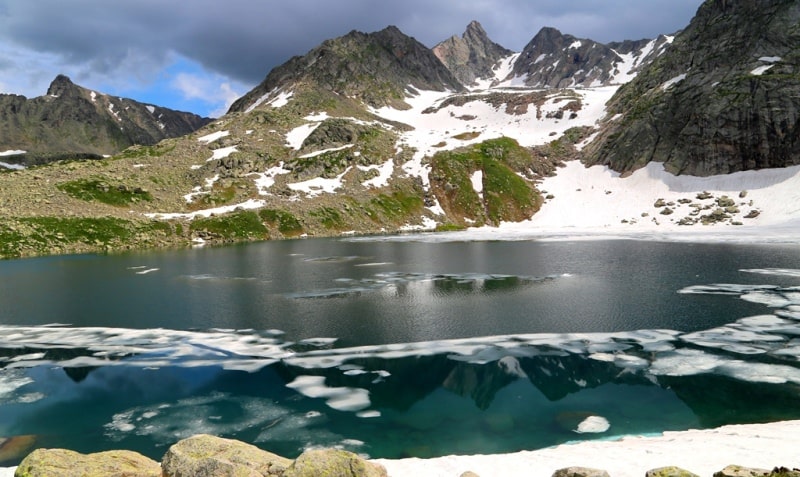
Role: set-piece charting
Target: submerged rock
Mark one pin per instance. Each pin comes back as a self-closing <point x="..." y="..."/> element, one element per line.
<point x="67" y="463"/>
<point x="209" y="455"/>
<point x="13" y="448"/>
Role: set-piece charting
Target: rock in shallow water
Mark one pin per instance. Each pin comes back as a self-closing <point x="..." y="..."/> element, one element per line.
<point x="67" y="463"/>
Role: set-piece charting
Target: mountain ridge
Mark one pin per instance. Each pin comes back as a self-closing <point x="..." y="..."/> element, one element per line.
<point x="70" y="121"/>
<point x="371" y="133"/>
<point x="373" y="67"/>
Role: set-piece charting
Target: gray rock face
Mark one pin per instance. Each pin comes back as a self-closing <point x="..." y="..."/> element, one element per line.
<point x="471" y="56"/>
<point x="71" y="121"/>
<point x="373" y="67"/>
<point x="67" y="463"/>
<point x="725" y="97"/>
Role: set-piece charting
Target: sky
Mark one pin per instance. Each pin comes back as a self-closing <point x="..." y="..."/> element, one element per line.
<point x="200" y="55"/>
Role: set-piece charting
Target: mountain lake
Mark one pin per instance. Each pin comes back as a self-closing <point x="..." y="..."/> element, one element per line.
<point x="397" y="347"/>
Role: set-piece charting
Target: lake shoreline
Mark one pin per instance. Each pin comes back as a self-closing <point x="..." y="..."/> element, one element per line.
<point x="703" y="452"/>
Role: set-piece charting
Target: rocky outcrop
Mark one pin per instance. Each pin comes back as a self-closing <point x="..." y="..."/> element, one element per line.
<point x="67" y="463"/>
<point x="724" y="98"/>
<point x="74" y="122"/>
<point x="472" y="56"/>
<point x="376" y="68"/>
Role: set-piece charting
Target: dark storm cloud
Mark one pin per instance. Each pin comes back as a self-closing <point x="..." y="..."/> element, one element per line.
<point x="244" y="39"/>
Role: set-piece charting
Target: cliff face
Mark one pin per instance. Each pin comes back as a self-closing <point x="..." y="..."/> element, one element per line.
<point x="724" y="98"/>
<point x="72" y="122"/>
<point x="471" y="56"/>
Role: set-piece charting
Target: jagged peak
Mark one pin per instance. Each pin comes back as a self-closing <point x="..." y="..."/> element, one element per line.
<point x="475" y="27"/>
<point x="60" y="85"/>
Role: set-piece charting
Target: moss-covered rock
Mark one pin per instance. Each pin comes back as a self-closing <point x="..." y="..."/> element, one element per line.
<point x="670" y="471"/>
<point x="67" y="463"/>
<point x="333" y="463"/>
<point x="580" y="472"/>
<point x="206" y="455"/>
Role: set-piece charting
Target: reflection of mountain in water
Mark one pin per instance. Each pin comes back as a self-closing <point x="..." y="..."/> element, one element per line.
<point x="439" y="284"/>
<point x="720" y="400"/>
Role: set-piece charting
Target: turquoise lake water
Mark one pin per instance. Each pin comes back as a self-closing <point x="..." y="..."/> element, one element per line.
<point x="397" y="348"/>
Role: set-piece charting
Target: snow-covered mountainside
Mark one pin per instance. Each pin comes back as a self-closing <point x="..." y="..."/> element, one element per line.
<point x="556" y="60"/>
<point x="371" y="133"/>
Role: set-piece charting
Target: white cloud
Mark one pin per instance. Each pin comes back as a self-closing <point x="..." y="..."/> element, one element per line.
<point x="214" y="90"/>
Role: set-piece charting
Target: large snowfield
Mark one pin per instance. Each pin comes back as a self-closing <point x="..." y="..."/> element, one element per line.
<point x="703" y="452"/>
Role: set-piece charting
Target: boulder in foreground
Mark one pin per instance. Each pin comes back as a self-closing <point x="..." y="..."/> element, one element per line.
<point x="67" y="463"/>
<point x="313" y="463"/>
<point x="206" y="455"/>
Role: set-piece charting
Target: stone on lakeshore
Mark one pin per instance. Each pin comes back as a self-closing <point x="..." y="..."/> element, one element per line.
<point x="333" y="462"/>
<point x="670" y="471"/>
<point x="67" y="463"/>
<point x="784" y="472"/>
<point x="15" y="447"/>
<point x="740" y="471"/>
<point x="580" y="472"/>
<point x="205" y="455"/>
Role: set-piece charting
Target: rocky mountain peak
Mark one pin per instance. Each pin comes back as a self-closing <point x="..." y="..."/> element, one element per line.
<point x="471" y="56"/>
<point x="725" y="97"/>
<point x="73" y="122"/>
<point x="375" y="68"/>
<point x="60" y="86"/>
<point x="556" y="60"/>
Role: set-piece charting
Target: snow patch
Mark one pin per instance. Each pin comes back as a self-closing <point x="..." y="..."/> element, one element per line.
<point x="209" y="138"/>
<point x="760" y="70"/>
<point x="319" y="185"/>
<point x="323" y="151"/>
<point x="477" y="182"/>
<point x="222" y="153"/>
<point x="384" y="174"/>
<point x="150" y="108"/>
<point x="671" y="82"/>
<point x="249" y="204"/>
